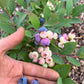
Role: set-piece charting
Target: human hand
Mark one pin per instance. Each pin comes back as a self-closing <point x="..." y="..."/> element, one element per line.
<point x="12" y="70"/>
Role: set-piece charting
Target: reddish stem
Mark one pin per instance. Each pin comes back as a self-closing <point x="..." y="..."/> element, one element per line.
<point x="10" y="18"/>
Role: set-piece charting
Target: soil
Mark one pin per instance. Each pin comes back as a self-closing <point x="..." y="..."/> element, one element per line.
<point x="77" y="73"/>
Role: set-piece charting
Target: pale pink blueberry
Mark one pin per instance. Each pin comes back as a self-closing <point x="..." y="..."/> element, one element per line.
<point x="52" y="64"/>
<point x="40" y="49"/>
<point x="35" y="55"/>
<point x="55" y="36"/>
<point x="49" y="3"/>
<point x="62" y="40"/>
<point x="44" y="54"/>
<point x="49" y="60"/>
<point x="31" y="55"/>
<point x="61" y="45"/>
<point x="35" y="60"/>
<point x="41" y="61"/>
<point x="43" y="34"/>
<point x="65" y="36"/>
<point x="49" y="52"/>
<point x="50" y="34"/>
<point x="46" y="48"/>
<point x="45" y="65"/>
<point x="71" y="35"/>
<point x="72" y="41"/>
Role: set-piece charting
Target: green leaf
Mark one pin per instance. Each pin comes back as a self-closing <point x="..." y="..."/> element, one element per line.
<point x="61" y="12"/>
<point x="4" y="3"/>
<point x="62" y="23"/>
<point x="57" y="59"/>
<point x="78" y="10"/>
<point x="68" y="80"/>
<point x="34" y="20"/>
<point x="22" y="3"/>
<point x="21" y="54"/>
<point x="69" y="6"/>
<point x="76" y="1"/>
<point x="59" y="81"/>
<point x="20" y="19"/>
<point x="28" y="33"/>
<point x="63" y="70"/>
<point x="53" y="21"/>
<point x="68" y="48"/>
<point x="11" y="6"/>
<point x="73" y="61"/>
<point x="47" y="13"/>
<point x="80" y="52"/>
<point x="4" y="19"/>
<point x="75" y="20"/>
<point x="7" y="27"/>
<point x="13" y="55"/>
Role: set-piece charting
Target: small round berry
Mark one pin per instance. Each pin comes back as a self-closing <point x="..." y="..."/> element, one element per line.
<point x="42" y="20"/>
<point x="62" y="40"/>
<point x="42" y="29"/>
<point x="42" y="15"/>
<point x="43" y="34"/>
<point x="37" y="37"/>
<point x="61" y="45"/>
<point x="49" y="3"/>
<point x="60" y="36"/>
<point x="31" y="55"/>
<point x="45" y="65"/>
<point x="44" y="54"/>
<point x="55" y="36"/>
<point x="35" y="55"/>
<point x="50" y="34"/>
<point x="35" y="60"/>
<point x="46" y="48"/>
<point x="52" y="64"/>
<point x="71" y="35"/>
<point x="65" y="36"/>
<point x="40" y="49"/>
<point x="35" y="81"/>
<point x="45" y="42"/>
<point x="50" y="53"/>
<point x="41" y="60"/>
<point x="49" y="60"/>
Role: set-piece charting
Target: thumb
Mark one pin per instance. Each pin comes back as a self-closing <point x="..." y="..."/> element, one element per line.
<point x="11" y="41"/>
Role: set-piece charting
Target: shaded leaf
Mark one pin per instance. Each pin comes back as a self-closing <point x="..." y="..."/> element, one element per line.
<point x="63" y="70"/>
<point x="73" y="61"/>
<point x="57" y="59"/>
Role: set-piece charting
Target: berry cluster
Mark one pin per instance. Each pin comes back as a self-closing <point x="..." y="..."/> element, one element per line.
<point x="51" y="6"/>
<point x="44" y="37"/>
<point x="42" y="57"/>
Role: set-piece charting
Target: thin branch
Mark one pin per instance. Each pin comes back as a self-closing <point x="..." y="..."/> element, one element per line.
<point x="10" y="18"/>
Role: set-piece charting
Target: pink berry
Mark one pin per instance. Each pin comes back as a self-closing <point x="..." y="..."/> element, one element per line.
<point x="61" y="45"/>
<point x="52" y="64"/>
<point x="35" y="60"/>
<point x="35" y="55"/>
<point x="50" y="34"/>
<point x="30" y="55"/>
<point x="43" y="34"/>
<point x="71" y="35"/>
<point x="44" y="54"/>
<point x="41" y="60"/>
<point x="55" y="36"/>
<point x="46" y="48"/>
<point x="62" y="40"/>
<point x="40" y="49"/>
<point x="49" y="60"/>
<point x="65" y="36"/>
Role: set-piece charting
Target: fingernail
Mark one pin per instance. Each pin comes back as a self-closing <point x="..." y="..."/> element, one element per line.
<point x="35" y="81"/>
<point x="23" y="80"/>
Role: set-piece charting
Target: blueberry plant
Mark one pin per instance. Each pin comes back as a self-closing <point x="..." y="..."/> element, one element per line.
<point x="43" y="43"/>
